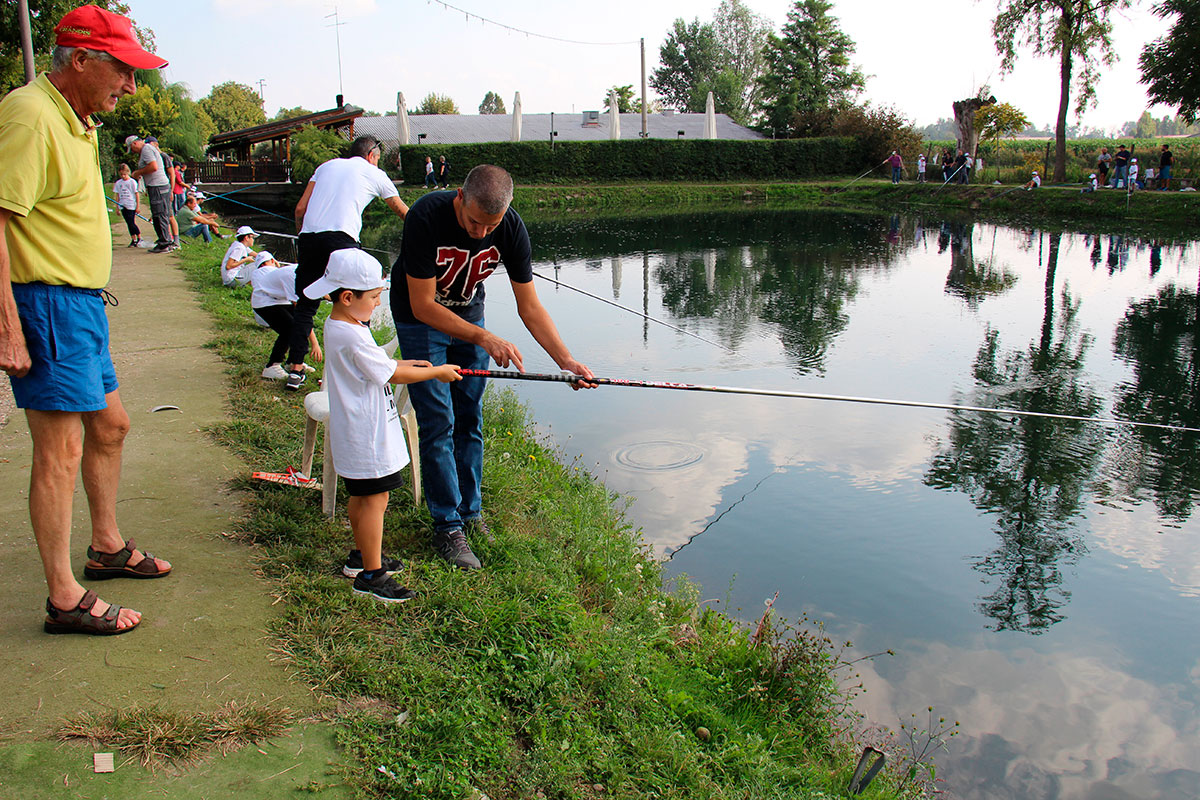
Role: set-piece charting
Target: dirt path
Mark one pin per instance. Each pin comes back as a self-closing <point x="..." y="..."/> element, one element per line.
<point x="203" y="640"/>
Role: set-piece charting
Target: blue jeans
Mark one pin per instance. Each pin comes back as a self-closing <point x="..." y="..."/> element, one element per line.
<point x="895" y="174"/>
<point x="1119" y="177"/>
<point x="199" y="230"/>
<point x="450" y="421"/>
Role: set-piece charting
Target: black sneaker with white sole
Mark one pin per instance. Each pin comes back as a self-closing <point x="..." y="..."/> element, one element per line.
<point x="453" y="547"/>
<point x="354" y="564"/>
<point x="382" y="587"/>
<point x="295" y="381"/>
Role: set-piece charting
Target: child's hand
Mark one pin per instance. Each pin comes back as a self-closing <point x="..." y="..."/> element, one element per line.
<point x="447" y="373"/>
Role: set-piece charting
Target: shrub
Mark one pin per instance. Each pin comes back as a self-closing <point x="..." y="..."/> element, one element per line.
<point x="312" y="147"/>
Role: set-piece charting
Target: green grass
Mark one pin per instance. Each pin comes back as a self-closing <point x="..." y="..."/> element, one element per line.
<point x="563" y="669"/>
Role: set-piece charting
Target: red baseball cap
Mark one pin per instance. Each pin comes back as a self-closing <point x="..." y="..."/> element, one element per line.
<point x="94" y="28"/>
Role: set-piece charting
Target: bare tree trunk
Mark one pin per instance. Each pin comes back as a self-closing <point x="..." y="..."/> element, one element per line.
<point x="1060" y="128"/>
<point x="964" y="120"/>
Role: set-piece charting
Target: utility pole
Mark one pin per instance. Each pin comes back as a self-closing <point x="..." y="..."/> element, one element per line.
<point x="643" y="42"/>
<point x="335" y="25"/>
<point x="260" y="83"/>
<point x="26" y="39"/>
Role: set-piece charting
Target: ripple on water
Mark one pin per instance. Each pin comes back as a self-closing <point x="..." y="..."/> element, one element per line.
<point x="659" y="456"/>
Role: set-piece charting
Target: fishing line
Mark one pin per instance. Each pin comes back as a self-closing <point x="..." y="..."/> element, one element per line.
<point x="633" y="311"/>
<point x="691" y="387"/>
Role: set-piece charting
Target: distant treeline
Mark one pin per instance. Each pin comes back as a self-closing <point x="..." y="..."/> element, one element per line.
<point x="1145" y="127"/>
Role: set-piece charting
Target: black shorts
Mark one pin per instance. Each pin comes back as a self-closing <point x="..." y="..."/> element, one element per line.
<point x="361" y="487"/>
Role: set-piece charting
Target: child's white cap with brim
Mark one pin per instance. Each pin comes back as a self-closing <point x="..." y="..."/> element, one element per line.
<point x="347" y="269"/>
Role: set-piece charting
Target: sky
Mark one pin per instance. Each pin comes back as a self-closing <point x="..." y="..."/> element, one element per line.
<point x="920" y="55"/>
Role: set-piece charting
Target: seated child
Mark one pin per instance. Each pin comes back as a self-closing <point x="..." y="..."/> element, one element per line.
<point x="1034" y="182"/>
<point x="239" y="258"/>
<point x="1091" y="184"/>
<point x="364" y="429"/>
<point x="273" y="299"/>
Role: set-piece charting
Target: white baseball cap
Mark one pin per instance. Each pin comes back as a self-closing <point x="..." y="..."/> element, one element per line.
<point x="130" y="139"/>
<point x="245" y="230"/>
<point x="347" y="269"/>
<point x="262" y="258"/>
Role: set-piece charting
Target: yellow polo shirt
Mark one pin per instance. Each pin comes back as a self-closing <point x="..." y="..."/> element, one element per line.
<point x="50" y="180"/>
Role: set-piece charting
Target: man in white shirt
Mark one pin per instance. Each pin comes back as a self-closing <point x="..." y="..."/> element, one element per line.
<point x="238" y="262"/>
<point x="329" y="218"/>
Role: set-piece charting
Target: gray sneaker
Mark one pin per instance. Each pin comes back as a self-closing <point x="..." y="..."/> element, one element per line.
<point x="452" y="546"/>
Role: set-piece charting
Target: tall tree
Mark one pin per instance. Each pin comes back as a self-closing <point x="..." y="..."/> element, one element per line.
<point x="741" y="36"/>
<point x="233" y="106"/>
<point x="997" y="121"/>
<point x="492" y="104"/>
<point x="436" y="104"/>
<point x="291" y="113"/>
<point x="690" y="63"/>
<point x="1078" y="33"/>
<point x="1168" y="64"/>
<point x="723" y="57"/>
<point x="808" y="69"/>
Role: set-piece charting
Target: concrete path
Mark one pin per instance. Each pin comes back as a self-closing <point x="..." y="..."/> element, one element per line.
<point x="203" y="639"/>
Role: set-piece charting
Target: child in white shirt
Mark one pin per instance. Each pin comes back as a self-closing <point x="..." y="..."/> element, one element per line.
<point x="364" y="433"/>
<point x="125" y="190"/>
<point x="273" y="299"/>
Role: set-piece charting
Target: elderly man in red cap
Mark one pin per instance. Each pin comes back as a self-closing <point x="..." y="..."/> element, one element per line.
<point x="55" y="258"/>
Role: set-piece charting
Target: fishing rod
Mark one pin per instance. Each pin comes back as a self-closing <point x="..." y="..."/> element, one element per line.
<point x="633" y="311"/>
<point x="865" y="174"/>
<point x="952" y="174"/>
<point x="691" y="387"/>
<point x="118" y="205"/>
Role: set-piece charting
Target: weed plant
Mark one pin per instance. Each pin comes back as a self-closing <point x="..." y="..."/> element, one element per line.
<point x="563" y="669"/>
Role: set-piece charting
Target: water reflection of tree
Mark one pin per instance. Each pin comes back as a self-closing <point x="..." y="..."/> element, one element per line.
<point x="1160" y="339"/>
<point x="1030" y="472"/>
<point x="972" y="278"/>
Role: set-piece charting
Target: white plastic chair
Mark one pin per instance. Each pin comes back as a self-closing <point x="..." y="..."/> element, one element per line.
<point x="316" y="412"/>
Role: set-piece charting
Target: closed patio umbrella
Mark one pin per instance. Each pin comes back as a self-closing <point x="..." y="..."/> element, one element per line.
<point x="614" y="128"/>
<point x="401" y="119"/>
<point x="516" y="118"/>
<point x="710" y="118"/>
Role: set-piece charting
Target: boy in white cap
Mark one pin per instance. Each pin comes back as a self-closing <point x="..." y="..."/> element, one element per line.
<point x="1133" y="175"/>
<point x="1034" y="182"/>
<point x="364" y="433"/>
<point x="236" y="265"/>
<point x="1091" y="185"/>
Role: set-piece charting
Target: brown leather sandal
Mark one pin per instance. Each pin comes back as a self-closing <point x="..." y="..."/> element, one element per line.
<point x="80" y="620"/>
<point x="116" y="565"/>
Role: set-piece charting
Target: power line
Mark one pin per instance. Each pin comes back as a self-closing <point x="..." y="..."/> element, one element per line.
<point x="471" y="15"/>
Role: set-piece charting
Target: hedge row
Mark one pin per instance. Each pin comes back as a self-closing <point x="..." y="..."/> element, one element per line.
<point x="641" y="160"/>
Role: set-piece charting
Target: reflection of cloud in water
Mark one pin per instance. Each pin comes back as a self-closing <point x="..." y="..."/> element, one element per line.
<point x="676" y="504"/>
<point x="1046" y="726"/>
<point x="1136" y="534"/>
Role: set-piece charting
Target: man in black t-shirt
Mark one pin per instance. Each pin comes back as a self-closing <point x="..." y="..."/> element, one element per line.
<point x="452" y="242"/>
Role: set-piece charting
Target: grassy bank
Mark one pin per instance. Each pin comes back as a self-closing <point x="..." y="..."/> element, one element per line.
<point x="564" y="669"/>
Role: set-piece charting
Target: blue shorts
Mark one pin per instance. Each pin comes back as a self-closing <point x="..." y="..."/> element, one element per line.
<point x="66" y="331"/>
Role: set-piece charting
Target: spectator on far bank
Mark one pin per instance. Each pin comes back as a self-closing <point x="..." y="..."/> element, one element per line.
<point x="921" y="168"/>
<point x="1034" y="182"/>
<point x="1165" y="162"/>
<point x="897" y="166"/>
<point x="1102" y="162"/>
<point x="1091" y="185"/>
<point x="1120" y="167"/>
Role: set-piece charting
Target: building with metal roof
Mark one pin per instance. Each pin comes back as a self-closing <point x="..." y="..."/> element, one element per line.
<point x="588" y="126"/>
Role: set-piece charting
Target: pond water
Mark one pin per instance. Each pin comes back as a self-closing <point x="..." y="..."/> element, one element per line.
<point x="1038" y="580"/>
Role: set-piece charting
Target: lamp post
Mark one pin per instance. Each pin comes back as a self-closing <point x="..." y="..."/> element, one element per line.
<point x="678" y="135"/>
<point x="420" y="137"/>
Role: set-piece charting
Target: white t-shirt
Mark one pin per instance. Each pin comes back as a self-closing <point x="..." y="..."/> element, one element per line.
<point x="239" y="276"/>
<point x="273" y="286"/>
<point x="342" y="188"/>
<point x="364" y="423"/>
<point x="126" y="189"/>
<point x="921" y="164"/>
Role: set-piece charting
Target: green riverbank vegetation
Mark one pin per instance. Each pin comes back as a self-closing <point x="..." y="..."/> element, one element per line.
<point x="564" y="669"/>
